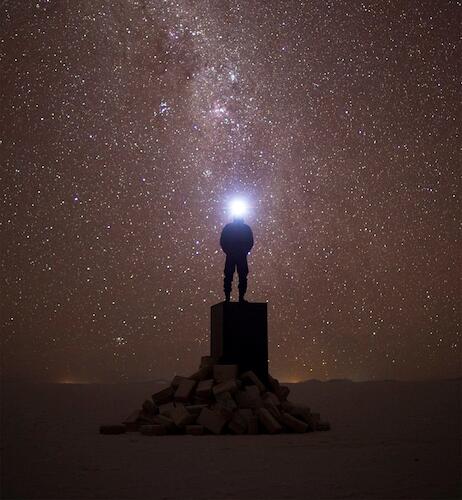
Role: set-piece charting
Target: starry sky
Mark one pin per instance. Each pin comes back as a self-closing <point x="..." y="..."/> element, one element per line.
<point x="128" y="126"/>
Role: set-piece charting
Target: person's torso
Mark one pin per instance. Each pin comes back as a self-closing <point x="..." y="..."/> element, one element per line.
<point x="237" y="237"/>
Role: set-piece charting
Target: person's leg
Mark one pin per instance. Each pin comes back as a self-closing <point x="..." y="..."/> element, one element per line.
<point x="243" y="271"/>
<point x="229" y="271"/>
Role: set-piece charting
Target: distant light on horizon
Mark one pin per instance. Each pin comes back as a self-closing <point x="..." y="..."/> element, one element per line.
<point x="70" y="380"/>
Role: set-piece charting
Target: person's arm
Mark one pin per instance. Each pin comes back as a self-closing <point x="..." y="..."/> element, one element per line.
<point x="224" y="243"/>
<point x="250" y="240"/>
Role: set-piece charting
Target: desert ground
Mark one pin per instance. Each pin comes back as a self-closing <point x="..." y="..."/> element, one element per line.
<point x="388" y="440"/>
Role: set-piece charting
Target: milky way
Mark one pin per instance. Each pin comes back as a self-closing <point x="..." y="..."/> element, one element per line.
<point x="128" y="126"/>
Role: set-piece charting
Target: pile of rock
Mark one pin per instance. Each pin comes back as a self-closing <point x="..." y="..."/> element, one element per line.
<point x="216" y="399"/>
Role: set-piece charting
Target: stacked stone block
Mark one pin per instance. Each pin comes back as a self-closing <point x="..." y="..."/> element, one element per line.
<point x="218" y="400"/>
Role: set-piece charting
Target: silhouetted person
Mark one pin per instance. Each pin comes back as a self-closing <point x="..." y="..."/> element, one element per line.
<point x="236" y="241"/>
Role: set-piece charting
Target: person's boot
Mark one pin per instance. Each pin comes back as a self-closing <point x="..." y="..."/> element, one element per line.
<point x="227" y="297"/>
<point x="241" y="299"/>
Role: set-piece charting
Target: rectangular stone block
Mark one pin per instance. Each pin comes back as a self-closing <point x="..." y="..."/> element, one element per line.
<point x="293" y="423"/>
<point x="314" y="421"/>
<point x="212" y="420"/>
<point x="181" y="416"/>
<point x="202" y="374"/>
<point x="315" y="418"/>
<point x="281" y="391"/>
<point x="166" y="422"/>
<point x="247" y="413"/>
<point x="239" y="335"/>
<point x="149" y="408"/>
<point x="185" y="390"/>
<point x="271" y="397"/>
<point x="112" y="429"/>
<point x="195" y="409"/>
<point x="228" y="386"/>
<point x="322" y="426"/>
<point x="273" y="383"/>
<point x="198" y="401"/>
<point x="145" y="419"/>
<point x="204" y="389"/>
<point x="176" y="381"/>
<point x="207" y="361"/>
<point x="268" y="421"/>
<point x="272" y="408"/>
<point x="238" y="423"/>
<point x="250" y="377"/>
<point x="225" y="404"/>
<point x="166" y="409"/>
<point x="286" y="405"/>
<point x="253" y="426"/>
<point x="195" y="430"/>
<point x="301" y="412"/>
<point x="132" y="422"/>
<point x="163" y="396"/>
<point x="249" y="397"/>
<point x="222" y="373"/>
<point x="153" y="430"/>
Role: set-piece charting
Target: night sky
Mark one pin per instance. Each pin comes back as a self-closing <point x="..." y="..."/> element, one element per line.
<point x="128" y="126"/>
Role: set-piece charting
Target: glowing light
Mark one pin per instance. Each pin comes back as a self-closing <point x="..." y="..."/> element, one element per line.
<point x="238" y="207"/>
<point x="68" y="380"/>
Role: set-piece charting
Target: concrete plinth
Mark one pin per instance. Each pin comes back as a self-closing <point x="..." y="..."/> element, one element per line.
<point x="239" y="335"/>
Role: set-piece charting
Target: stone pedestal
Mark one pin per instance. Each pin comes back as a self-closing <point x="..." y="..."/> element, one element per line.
<point x="239" y="335"/>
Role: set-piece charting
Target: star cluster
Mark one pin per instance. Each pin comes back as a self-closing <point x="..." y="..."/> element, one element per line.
<point x="128" y="126"/>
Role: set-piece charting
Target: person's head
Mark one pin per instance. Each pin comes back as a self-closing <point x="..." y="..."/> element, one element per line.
<point x="238" y="219"/>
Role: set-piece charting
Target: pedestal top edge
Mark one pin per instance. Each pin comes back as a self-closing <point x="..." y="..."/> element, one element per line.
<point x="239" y="304"/>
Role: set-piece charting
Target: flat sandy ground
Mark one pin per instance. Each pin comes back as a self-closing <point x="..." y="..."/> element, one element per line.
<point x="388" y="440"/>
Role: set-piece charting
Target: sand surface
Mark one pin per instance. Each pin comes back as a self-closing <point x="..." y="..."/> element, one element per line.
<point x="388" y="440"/>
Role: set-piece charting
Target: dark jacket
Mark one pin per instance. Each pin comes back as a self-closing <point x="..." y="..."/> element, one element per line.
<point x="236" y="239"/>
